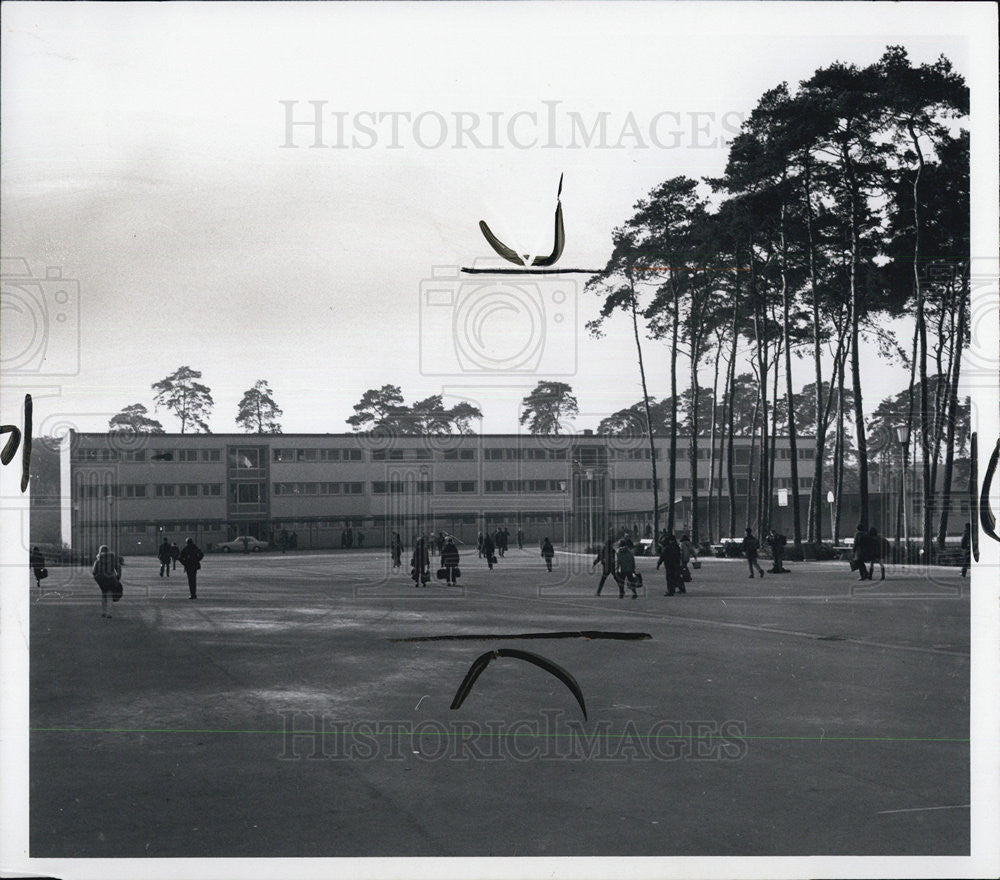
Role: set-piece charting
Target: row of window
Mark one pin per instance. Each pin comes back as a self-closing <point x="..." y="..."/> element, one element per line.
<point x="252" y="458"/>
<point x="319" y="488"/>
<point x="520" y="486"/>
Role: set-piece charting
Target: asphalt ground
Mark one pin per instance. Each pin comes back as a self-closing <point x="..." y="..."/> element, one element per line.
<point x="284" y="713"/>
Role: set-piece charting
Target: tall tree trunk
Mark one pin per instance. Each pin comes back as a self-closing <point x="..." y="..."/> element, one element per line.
<point x="815" y="524"/>
<point x="949" y="449"/>
<point x="838" y="454"/>
<point x="753" y="446"/>
<point x="787" y="341"/>
<point x="711" y="441"/>
<point x="693" y="446"/>
<point x="730" y="431"/>
<point x="649" y="419"/>
<point x="672" y="480"/>
<point x="773" y="445"/>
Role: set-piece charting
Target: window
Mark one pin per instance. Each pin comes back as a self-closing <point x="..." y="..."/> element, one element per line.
<point x="134" y="455"/>
<point x="536" y="454"/>
<point x="164" y="490"/>
<point x="213" y="455"/>
<point x="805" y="482"/>
<point x="163" y="455"/>
<point x="214" y="489"/>
<point x="378" y="487"/>
<point x="244" y="459"/>
<point x="558" y="454"/>
<point x="782" y="452"/>
<point x="329" y="455"/>
<point x="493" y="486"/>
<point x="306" y="454"/>
<point x="134" y="490"/>
<point x="248" y="493"/>
<point x="741" y="455"/>
<point x="464" y="486"/>
<point x="187" y="455"/>
<point x="352" y="455"/>
<point x="460" y="455"/>
<point x="330" y="488"/>
<point x="354" y="488"/>
<point x="187" y="490"/>
<point x="808" y="452"/>
<point x="423" y="454"/>
<point x="284" y="455"/>
<point x="494" y="454"/>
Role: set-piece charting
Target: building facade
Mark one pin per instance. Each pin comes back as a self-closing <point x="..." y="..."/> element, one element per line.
<point x="130" y="491"/>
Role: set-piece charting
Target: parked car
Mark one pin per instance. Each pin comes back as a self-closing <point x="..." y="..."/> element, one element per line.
<point x="243" y="542"/>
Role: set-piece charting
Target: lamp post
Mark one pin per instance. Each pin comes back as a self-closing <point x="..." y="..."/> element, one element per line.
<point x="829" y="500"/>
<point x="903" y="436"/>
<point x="590" y="507"/>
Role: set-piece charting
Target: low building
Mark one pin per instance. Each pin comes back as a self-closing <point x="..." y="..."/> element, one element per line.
<point x="130" y="491"/>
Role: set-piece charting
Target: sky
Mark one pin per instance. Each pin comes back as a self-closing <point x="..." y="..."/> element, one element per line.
<point x="147" y="158"/>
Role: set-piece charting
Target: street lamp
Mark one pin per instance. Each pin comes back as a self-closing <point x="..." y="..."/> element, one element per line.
<point x="903" y="436"/>
<point x="829" y="500"/>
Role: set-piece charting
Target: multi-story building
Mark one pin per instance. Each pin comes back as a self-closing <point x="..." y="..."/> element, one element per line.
<point x="129" y="491"/>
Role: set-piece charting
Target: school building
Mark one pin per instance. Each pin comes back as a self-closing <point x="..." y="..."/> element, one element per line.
<point x="129" y="491"/>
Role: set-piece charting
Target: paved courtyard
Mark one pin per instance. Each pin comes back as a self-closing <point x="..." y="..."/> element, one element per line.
<point x="783" y="716"/>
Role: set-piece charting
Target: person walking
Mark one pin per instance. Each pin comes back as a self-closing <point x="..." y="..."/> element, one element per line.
<point x="396" y="549"/>
<point x="506" y="539"/>
<point x="548" y="551"/>
<point x="449" y="561"/>
<point x="37" y="564"/>
<point x="687" y="554"/>
<point x="488" y="551"/>
<point x="163" y="554"/>
<point x="606" y="556"/>
<point x="670" y="559"/>
<point x="875" y="551"/>
<point x="479" y="544"/>
<point x="520" y="539"/>
<point x="190" y="559"/>
<point x="750" y="548"/>
<point x="420" y="564"/>
<point x="966" y="549"/>
<point x="626" y="570"/>
<point x="777" y="542"/>
<point x="107" y="571"/>
<point x="175" y="554"/>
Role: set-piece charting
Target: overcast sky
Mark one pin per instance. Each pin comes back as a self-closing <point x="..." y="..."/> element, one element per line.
<point x="144" y="155"/>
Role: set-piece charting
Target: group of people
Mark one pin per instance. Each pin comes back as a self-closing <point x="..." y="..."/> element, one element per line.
<point x="868" y="549"/>
<point x="618" y="562"/>
<point x="189" y="557"/>
<point x="448" y="553"/>
<point x="349" y="539"/>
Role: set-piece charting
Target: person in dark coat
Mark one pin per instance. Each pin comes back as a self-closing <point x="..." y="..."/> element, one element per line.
<point x="488" y="550"/>
<point x="396" y="549"/>
<point x="626" y="570"/>
<point x="107" y="571"/>
<point x="606" y="557"/>
<point x="750" y="548"/>
<point x="505" y="534"/>
<point x="479" y="544"/>
<point x="175" y="554"/>
<point x="190" y="559"/>
<point x="37" y="563"/>
<point x="966" y="548"/>
<point x="520" y="539"/>
<point x="860" y="553"/>
<point x="777" y="542"/>
<point x="670" y="559"/>
<point x="420" y="564"/>
<point x="548" y="551"/>
<point x="163" y="554"/>
<point x="876" y="548"/>
<point x="449" y="561"/>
